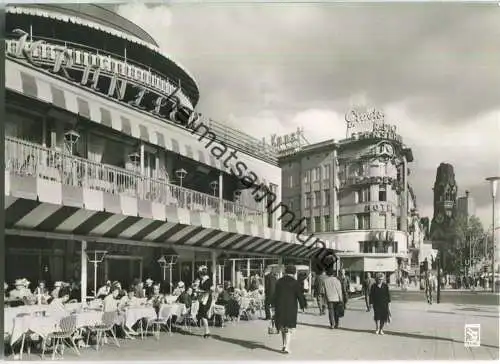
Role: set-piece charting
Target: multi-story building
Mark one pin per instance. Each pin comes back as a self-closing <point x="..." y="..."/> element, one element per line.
<point x="466" y="206"/>
<point x="107" y="162"/>
<point x="356" y="192"/>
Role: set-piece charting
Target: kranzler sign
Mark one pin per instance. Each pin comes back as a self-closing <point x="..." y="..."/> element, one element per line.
<point x="138" y="88"/>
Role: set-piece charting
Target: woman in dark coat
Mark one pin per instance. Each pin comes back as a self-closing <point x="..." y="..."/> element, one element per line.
<point x="380" y="300"/>
<point x="287" y="296"/>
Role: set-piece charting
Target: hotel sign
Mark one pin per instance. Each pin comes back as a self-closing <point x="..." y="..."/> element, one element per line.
<point x="378" y="207"/>
<point x="137" y="87"/>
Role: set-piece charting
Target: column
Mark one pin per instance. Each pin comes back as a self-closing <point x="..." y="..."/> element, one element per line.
<point x="44" y="131"/>
<point x="233" y="273"/>
<point x="404" y="196"/>
<point x="248" y="272"/>
<point x="83" y="275"/>
<point x="142" y="159"/>
<point x="280" y="264"/>
<point x="374" y="214"/>
<point x="333" y="193"/>
<point x="214" y="268"/>
<point x="221" y="194"/>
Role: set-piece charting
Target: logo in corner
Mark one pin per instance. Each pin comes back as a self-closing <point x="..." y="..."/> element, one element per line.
<point x="472" y="335"/>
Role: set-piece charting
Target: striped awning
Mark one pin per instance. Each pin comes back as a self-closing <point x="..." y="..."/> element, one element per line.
<point x="31" y="214"/>
<point x="55" y="90"/>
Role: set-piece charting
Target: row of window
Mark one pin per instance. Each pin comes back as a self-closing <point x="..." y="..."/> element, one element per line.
<point x="364" y="194"/>
<point x="378" y="247"/>
<point x="328" y="224"/>
<point x="315" y="199"/>
<point x="317" y="174"/>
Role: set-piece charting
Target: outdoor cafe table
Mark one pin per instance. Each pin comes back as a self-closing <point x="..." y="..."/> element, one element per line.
<point x="134" y="314"/>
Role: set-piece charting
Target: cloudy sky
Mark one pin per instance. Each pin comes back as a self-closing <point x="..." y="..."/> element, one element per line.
<point x="434" y="69"/>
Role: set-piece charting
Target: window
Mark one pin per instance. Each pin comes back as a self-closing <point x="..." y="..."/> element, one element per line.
<point x="382" y="193"/>
<point x="363" y="195"/>
<point x="363" y="221"/>
<point x="316" y="174"/>
<point x="327" y="223"/>
<point x="307" y="203"/>
<point x="384" y="218"/>
<point x="317" y="198"/>
<point x="290" y="205"/>
<point x="326" y="171"/>
<point x="290" y="181"/>
<point x="307" y="176"/>
<point x="308" y="224"/>
<point x="317" y="224"/>
<point x="327" y="197"/>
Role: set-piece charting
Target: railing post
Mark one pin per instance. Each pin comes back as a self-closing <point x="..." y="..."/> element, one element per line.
<point x="221" y="189"/>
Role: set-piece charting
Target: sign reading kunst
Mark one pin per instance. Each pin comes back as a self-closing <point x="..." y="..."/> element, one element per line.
<point x="139" y="88"/>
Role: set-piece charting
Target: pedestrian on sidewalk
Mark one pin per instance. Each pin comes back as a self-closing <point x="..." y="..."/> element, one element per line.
<point x="320" y="300"/>
<point x="380" y="300"/>
<point x="335" y="296"/>
<point x="270" y="280"/>
<point x="288" y="296"/>
<point x="367" y="286"/>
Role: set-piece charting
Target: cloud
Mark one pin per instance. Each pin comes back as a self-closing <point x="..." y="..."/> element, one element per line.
<point x="266" y="68"/>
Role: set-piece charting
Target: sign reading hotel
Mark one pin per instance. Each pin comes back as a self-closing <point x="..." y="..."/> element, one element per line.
<point x="367" y="123"/>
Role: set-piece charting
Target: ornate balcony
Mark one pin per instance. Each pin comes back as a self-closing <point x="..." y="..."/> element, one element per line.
<point x="28" y="159"/>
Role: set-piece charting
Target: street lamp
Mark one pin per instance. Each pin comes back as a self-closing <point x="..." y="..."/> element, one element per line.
<point x="181" y="174"/>
<point x="167" y="261"/>
<point x="213" y="186"/>
<point x="493" y="184"/>
<point x="71" y="137"/>
<point x="96" y="257"/>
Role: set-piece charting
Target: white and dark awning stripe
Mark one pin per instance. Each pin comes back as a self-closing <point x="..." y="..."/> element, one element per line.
<point x="26" y="214"/>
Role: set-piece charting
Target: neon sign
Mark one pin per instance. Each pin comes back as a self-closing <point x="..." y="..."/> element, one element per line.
<point x="363" y="119"/>
<point x="126" y="83"/>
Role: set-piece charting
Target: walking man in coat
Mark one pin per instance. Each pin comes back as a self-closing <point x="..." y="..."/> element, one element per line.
<point x="317" y="292"/>
<point x="287" y="297"/>
<point x="269" y="288"/>
<point x="333" y="292"/>
<point x="367" y="286"/>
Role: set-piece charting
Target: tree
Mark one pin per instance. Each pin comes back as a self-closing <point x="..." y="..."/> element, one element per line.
<point x="462" y="233"/>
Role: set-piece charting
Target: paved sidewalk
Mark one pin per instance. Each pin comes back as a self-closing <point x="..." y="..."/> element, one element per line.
<point x="416" y="333"/>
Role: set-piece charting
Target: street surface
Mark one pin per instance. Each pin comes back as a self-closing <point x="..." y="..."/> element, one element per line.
<point x="449" y="296"/>
<point x="418" y="332"/>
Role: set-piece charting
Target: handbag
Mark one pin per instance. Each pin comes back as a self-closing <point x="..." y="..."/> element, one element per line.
<point x="339" y="307"/>
<point x="272" y="330"/>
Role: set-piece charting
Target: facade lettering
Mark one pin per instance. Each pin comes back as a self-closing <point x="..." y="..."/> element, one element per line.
<point x="382" y="207"/>
<point x="63" y="62"/>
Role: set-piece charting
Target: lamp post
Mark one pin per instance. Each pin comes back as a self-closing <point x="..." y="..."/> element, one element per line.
<point x="213" y="186"/>
<point x="167" y="261"/>
<point x="96" y="257"/>
<point x="181" y="174"/>
<point x="493" y="184"/>
<point x="71" y="138"/>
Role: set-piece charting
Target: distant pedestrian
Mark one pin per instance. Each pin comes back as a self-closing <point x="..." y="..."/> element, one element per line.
<point x="367" y="286"/>
<point x="380" y="300"/>
<point x="270" y="280"/>
<point x="317" y="292"/>
<point x="335" y="297"/>
<point x="287" y="297"/>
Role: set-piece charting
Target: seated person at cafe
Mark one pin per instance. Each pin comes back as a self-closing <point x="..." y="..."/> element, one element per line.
<point x="149" y="288"/>
<point x="104" y="290"/>
<point x="55" y="291"/>
<point x="179" y="289"/>
<point x="195" y="286"/>
<point x="110" y="302"/>
<point x="21" y="291"/>
<point x="186" y="298"/>
<point x="128" y="299"/>
<point x="56" y="307"/>
<point x="140" y="292"/>
<point x="157" y="299"/>
<point x="5" y="289"/>
<point x="42" y="293"/>
<point x="232" y="306"/>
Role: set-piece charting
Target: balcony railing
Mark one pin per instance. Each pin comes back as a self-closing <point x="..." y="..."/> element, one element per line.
<point x="28" y="159"/>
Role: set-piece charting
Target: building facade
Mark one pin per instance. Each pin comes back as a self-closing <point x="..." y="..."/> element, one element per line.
<point x="466" y="206"/>
<point x="106" y="155"/>
<point x="356" y="192"/>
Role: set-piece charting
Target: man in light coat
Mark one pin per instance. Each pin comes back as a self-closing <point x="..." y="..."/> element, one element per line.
<point x="334" y="294"/>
